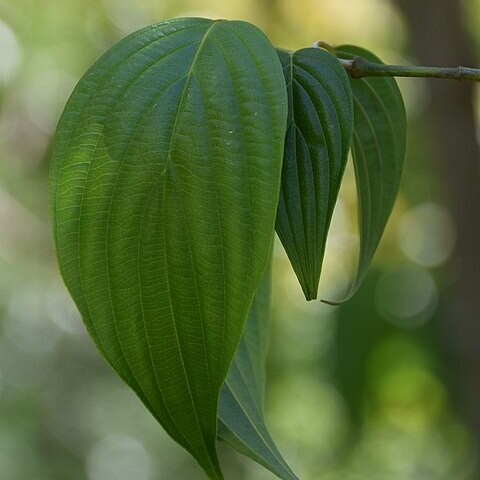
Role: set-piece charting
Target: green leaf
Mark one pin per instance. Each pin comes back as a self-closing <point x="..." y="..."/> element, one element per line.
<point x="379" y="142"/>
<point x="164" y="187"/>
<point x="317" y="143"/>
<point x="241" y="420"/>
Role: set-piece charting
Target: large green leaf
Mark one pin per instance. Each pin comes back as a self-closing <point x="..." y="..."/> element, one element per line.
<point x="241" y="420"/>
<point x="379" y="141"/>
<point x="164" y="187"/>
<point x="317" y="143"/>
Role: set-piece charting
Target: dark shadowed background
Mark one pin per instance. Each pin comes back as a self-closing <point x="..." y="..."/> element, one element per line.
<point x="385" y="387"/>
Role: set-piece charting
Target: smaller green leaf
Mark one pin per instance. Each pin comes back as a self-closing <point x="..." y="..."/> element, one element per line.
<point x="317" y="143"/>
<point x="378" y="150"/>
<point x="241" y="422"/>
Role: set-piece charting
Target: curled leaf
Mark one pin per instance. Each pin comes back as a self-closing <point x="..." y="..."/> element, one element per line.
<point x="378" y="148"/>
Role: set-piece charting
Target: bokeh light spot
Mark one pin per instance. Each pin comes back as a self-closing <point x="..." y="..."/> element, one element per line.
<point x="426" y="234"/>
<point x="11" y="53"/>
<point x="27" y="325"/>
<point x="406" y="296"/>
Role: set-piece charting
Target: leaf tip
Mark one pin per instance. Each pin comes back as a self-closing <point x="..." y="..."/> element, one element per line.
<point x="310" y="290"/>
<point x="309" y="296"/>
<point x="332" y="303"/>
<point x="337" y="303"/>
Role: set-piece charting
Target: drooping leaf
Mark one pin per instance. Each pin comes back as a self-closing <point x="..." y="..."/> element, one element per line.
<point x="317" y="143"/>
<point x="164" y="186"/>
<point x="241" y="421"/>
<point x="378" y="149"/>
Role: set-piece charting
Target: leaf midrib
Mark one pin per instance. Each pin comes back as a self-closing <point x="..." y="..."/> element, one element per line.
<point x="162" y="175"/>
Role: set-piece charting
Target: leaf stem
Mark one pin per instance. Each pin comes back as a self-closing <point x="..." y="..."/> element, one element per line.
<point x="359" y="67"/>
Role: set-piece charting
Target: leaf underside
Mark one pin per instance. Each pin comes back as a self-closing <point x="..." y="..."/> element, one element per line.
<point x="319" y="134"/>
<point x="378" y="150"/>
<point x="241" y="421"/>
<point x="164" y="187"/>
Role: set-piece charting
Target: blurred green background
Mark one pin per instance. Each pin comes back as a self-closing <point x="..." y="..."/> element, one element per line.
<point x="385" y="387"/>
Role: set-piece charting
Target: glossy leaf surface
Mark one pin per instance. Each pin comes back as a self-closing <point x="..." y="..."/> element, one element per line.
<point x="317" y="143"/>
<point x="164" y="187"/>
<point x="378" y="148"/>
<point x="241" y="419"/>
